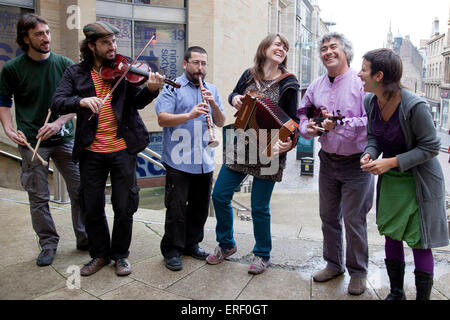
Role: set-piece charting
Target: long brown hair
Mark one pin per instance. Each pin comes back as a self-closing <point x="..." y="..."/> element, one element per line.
<point x="260" y="56"/>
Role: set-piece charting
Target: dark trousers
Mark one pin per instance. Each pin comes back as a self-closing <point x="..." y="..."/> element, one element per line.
<point x="187" y="202"/>
<point x="345" y="198"/>
<point x="94" y="170"/>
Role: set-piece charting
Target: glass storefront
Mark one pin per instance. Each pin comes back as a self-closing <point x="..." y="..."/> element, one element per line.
<point x="164" y="55"/>
<point x="445" y="112"/>
<point x="9" y="15"/>
<point x="165" y="3"/>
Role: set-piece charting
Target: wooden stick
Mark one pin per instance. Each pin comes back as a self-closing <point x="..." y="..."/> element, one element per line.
<point x="39" y="141"/>
<point x="44" y="163"/>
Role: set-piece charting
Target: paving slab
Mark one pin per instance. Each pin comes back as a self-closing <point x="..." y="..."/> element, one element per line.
<point x="296" y="255"/>
<point x="224" y="281"/>
<point x="139" y="291"/>
<point x="27" y="280"/>
<point x="275" y="284"/>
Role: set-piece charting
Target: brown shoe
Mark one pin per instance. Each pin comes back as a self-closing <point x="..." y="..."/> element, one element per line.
<point x="93" y="266"/>
<point x="357" y="286"/>
<point x="123" y="267"/>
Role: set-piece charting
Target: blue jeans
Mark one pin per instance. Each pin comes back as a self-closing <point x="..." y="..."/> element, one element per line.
<point x="227" y="182"/>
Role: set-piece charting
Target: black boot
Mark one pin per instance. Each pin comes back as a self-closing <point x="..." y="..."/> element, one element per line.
<point x="424" y="283"/>
<point x="396" y="273"/>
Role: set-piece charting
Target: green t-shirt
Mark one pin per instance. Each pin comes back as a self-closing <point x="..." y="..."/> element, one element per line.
<point x="32" y="84"/>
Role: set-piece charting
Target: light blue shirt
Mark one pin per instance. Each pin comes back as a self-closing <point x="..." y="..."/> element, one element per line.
<point x="185" y="147"/>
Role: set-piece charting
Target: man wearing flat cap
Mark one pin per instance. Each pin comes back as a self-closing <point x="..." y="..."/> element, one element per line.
<point x="109" y="134"/>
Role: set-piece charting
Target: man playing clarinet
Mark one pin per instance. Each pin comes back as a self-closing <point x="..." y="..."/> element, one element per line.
<point x="188" y="160"/>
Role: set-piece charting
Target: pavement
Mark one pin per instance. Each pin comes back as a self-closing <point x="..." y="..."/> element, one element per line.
<point x="296" y="255"/>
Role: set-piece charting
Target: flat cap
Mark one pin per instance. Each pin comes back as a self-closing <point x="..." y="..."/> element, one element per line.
<point x="99" y="29"/>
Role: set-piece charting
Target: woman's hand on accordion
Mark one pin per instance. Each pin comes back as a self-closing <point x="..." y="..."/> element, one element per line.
<point x="237" y="101"/>
<point x="282" y="147"/>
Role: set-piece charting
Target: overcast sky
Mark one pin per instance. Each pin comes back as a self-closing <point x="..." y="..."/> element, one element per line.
<point x="366" y="22"/>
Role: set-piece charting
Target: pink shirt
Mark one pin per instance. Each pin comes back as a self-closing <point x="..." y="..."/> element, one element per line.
<point x="346" y="94"/>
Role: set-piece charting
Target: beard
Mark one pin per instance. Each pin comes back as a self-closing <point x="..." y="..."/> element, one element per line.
<point x="38" y="48"/>
<point x="103" y="56"/>
<point x="194" y="77"/>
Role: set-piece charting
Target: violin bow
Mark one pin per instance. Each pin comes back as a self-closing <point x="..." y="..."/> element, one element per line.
<point x="125" y="73"/>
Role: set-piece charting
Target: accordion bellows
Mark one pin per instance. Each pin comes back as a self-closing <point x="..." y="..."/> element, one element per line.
<point x="260" y="113"/>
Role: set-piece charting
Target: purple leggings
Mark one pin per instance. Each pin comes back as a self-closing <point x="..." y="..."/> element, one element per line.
<point x="423" y="258"/>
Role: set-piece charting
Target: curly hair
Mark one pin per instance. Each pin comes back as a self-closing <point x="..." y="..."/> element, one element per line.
<point x="26" y="22"/>
<point x="86" y="54"/>
<point x="346" y="44"/>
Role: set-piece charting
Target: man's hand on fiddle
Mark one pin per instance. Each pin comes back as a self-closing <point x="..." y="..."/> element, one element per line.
<point x="93" y="103"/>
<point x="310" y="128"/>
<point x="155" y="81"/>
<point x="328" y="124"/>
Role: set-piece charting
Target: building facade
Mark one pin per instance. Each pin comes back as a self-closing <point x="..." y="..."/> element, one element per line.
<point x="230" y="31"/>
<point x="435" y="72"/>
<point x="445" y="86"/>
<point x="412" y="63"/>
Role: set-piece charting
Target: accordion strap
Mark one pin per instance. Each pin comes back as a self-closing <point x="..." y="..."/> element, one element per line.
<point x="281" y="77"/>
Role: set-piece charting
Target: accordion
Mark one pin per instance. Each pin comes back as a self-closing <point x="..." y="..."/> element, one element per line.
<point x="259" y="113"/>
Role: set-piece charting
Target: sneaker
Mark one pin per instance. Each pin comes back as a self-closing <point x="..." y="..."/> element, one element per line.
<point x="93" y="266"/>
<point x="45" y="258"/>
<point x="326" y="274"/>
<point x="220" y="254"/>
<point x="259" y="265"/>
<point x="357" y="286"/>
<point x="173" y="263"/>
<point x="123" y="267"/>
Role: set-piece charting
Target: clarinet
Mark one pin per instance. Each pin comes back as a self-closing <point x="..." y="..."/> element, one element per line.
<point x="212" y="138"/>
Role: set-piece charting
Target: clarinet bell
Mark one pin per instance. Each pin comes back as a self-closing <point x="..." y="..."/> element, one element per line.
<point x="213" y="143"/>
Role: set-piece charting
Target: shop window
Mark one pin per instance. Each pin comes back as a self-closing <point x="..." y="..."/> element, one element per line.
<point x="164" y="3"/>
<point x="164" y="55"/>
<point x="9" y="16"/>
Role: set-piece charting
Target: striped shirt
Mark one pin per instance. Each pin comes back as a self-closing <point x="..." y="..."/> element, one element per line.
<point x="105" y="139"/>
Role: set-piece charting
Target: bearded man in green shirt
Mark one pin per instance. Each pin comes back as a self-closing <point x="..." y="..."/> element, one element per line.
<point x="31" y="80"/>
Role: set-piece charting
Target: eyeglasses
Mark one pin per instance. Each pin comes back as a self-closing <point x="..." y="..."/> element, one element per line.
<point x="197" y="63"/>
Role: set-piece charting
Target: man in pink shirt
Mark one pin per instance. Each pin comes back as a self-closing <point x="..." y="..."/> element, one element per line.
<point x="345" y="191"/>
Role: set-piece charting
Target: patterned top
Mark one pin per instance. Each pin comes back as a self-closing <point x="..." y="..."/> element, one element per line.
<point x="105" y="139"/>
<point x="249" y="167"/>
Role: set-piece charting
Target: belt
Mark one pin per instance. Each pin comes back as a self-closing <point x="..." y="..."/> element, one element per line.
<point x="338" y="157"/>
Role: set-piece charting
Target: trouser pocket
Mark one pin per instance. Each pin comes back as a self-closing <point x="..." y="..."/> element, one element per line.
<point x="28" y="179"/>
<point x="133" y="200"/>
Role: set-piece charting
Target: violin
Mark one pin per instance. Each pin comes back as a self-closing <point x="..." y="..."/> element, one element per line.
<point x="137" y="74"/>
<point x="318" y="117"/>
